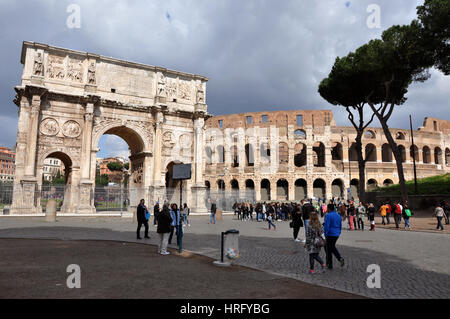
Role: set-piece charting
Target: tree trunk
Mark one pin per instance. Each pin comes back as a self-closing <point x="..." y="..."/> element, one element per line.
<point x="398" y="159"/>
<point x="361" y="168"/>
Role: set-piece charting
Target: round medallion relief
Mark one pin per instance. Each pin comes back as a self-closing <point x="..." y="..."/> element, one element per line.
<point x="71" y="129"/>
<point x="49" y="127"/>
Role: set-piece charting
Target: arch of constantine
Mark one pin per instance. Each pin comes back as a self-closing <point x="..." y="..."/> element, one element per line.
<point x="292" y="155"/>
<point x="68" y="99"/>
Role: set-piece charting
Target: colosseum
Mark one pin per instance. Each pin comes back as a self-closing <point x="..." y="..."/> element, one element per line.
<point x="292" y="155"/>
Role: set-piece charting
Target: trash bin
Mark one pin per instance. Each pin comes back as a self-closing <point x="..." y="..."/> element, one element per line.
<point x="6" y="210"/>
<point x="229" y="248"/>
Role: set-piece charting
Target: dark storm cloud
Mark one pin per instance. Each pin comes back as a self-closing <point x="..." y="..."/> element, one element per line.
<point x="259" y="54"/>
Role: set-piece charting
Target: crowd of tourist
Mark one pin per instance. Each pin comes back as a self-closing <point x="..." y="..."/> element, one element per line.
<point x="170" y="219"/>
<point x="306" y="214"/>
<point x="354" y="214"/>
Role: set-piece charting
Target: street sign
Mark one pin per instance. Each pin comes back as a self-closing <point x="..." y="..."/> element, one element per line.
<point x="182" y="171"/>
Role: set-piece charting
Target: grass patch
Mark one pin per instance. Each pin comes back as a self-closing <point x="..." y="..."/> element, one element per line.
<point x="434" y="185"/>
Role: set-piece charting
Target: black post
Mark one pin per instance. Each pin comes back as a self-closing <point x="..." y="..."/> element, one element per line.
<point x="181" y="194"/>
<point x="349" y="171"/>
<point x="180" y="226"/>
<point x="221" y="246"/>
<point x="414" y="155"/>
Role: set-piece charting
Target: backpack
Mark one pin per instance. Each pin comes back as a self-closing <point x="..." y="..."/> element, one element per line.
<point x="408" y="212"/>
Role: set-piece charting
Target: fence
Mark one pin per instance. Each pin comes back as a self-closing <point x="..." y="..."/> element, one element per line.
<point x="226" y="199"/>
<point x="119" y="199"/>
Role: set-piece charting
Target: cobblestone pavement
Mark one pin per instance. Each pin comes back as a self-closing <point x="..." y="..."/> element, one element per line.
<point x="413" y="264"/>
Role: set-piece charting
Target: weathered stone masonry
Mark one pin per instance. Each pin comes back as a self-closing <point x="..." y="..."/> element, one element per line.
<point x="68" y="99"/>
<point x="291" y="155"/>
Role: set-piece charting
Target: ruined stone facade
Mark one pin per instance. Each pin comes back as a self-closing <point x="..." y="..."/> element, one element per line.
<point x="68" y="99"/>
<point x="292" y="155"/>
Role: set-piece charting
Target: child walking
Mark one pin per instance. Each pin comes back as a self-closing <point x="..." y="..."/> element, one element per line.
<point x="269" y="220"/>
<point x="314" y="242"/>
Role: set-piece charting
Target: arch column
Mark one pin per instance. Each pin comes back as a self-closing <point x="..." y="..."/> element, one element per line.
<point x="329" y="189"/>
<point x="198" y="189"/>
<point x="379" y="152"/>
<point x="157" y="190"/>
<point x="273" y="190"/>
<point x="87" y="183"/>
<point x="291" y="190"/>
<point x="25" y="194"/>
<point x="73" y="192"/>
<point x="257" y="190"/>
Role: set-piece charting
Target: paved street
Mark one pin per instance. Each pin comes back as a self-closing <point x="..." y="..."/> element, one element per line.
<point x="413" y="264"/>
<point x="37" y="269"/>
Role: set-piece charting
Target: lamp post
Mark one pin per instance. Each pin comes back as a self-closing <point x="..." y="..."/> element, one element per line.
<point x="414" y="155"/>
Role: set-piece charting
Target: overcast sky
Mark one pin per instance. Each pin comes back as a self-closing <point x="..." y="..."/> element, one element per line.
<point x="260" y="55"/>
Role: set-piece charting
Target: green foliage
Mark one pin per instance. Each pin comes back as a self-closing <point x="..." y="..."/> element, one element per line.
<point x="127" y="166"/>
<point x="101" y="180"/>
<point x="115" y="166"/>
<point x="434" y="185"/>
<point x="58" y="179"/>
<point x="434" y="17"/>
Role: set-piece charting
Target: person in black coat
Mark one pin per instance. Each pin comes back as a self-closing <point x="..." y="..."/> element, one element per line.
<point x="155" y="213"/>
<point x="141" y="219"/>
<point x="297" y="221"/>
<point x="307" y="209"/>
<point x="163" y="230"/>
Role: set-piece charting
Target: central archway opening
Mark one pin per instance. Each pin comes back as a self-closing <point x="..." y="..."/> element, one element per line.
<point x="119" y="173"/>
<point x="173" y="186"/>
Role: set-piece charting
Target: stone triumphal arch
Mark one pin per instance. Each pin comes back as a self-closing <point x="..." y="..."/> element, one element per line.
<point x="68" y="99"/>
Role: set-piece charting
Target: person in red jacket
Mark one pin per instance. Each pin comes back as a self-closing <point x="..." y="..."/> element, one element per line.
<point x="398" y="215"/>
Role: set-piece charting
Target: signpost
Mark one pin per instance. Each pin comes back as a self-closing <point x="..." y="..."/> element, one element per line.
<point x="181" y="172"/>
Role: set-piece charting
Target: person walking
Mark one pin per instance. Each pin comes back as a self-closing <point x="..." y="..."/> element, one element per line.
<point x="406" y="216"/>
<point x="264" y="211"/>
<point x="360" y="215"/>
<point x="163" y="230"/>
<point x="297" y="222"/>
<point x="155" y="212"/>
<point x="371" y="214"/>
<point x="142" y="219"/>
<point x="332" y="228"/>
<point x="388" y="213"/>
<point x="307" y="209"/>
<point x="446" y="207"/>
<point x="398" y="215"/>
<point x="186" y="212"/>
<point x="439" y="214"/>
<point x="343" y="211"/>
<point x="383" y="212"/>
<point x="212" y="217"/>
<point x="314" y="242"/>
<point x="176" y="222"/>
<point x="351" y="215"/>
<point x="270" y="218"/>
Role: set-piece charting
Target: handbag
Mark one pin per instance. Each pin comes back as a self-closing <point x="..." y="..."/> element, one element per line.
<point x="291" y="224"/>
<point x="147" y="215"/>
<point x="319" y="241"/>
